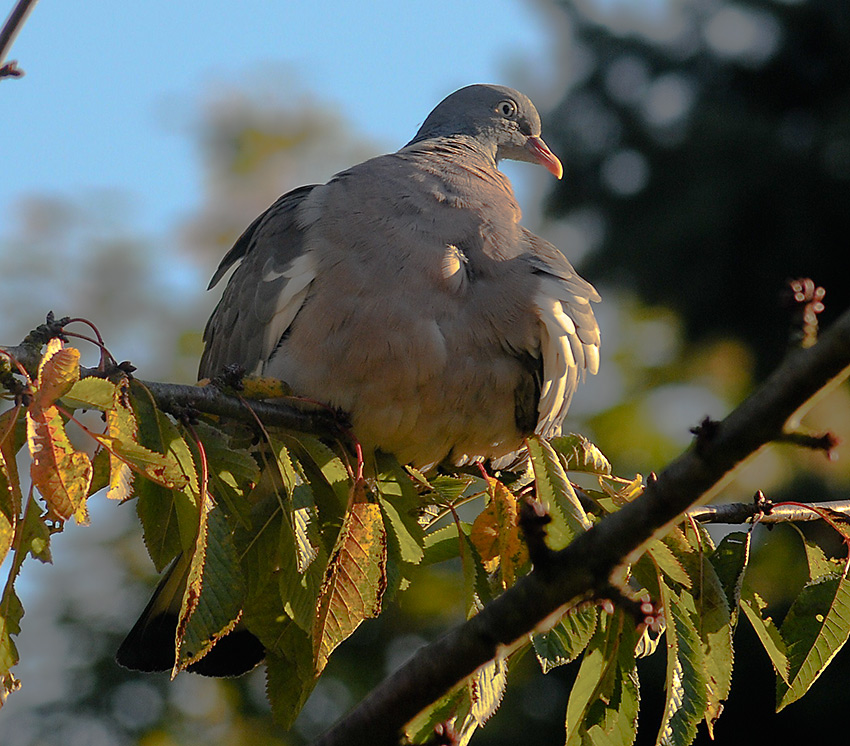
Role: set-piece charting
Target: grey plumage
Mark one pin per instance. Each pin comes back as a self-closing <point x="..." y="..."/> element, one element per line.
<point x="406" y="292"/>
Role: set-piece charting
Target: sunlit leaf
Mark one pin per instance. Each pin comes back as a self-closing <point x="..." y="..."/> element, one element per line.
<point x="59" y="472"/>
<point x="221" y="593"/>
<point x="355" y="579"/>
<point x="58" y="371"/>
<point x="567" y="639"/>
<point x="450" y="488"/>
<point x="194" y="587"/>
<point x="302" y="567"/>
<point x="90" y="393"/>
<point x="496" y="533"/>
<point x="487" y="687"/>
<point x="603" y="704"/>
<point x="686" y="680"/>
<point x="557" y="494"/>
<point x="580" y="454"/>
<point x="329" y="481"/>
<point x="11" y="612"/>
<point x="454" y="704"/>
<point x="667" y="561"/>
<point x="815" y="629"/>
<point x="819" y="564"/>
<point x="254" y="387"/>
<point x="400" y="504"/>
<point x="121" y="426"/>
<point x="768" y="633"/>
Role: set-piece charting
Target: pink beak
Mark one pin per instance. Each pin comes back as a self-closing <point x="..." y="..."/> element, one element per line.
<point x="544" y="156"/>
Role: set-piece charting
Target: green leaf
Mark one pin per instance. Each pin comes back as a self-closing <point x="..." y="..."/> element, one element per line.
<point x="604" y="701"/>
<point x="220" y="589"/>
<point x="450" y="488"/>
<point x="686" y="680"/>
<point x="557" y="494"/>
<point x="354" y="581"/>
<point x="487" y="687"/>
<point x="289" y="675"/>
<point x="667" y="561"/>
<point x="400" y="504"/>
<point x="329" y="480"/>
<point x="567" y="639"/>
<point x="233" y="472"/>
<point x="90" y="393"/>
<point x="815" y="629"/>
<point x="11" y="613"/>
<point x="819" y="564"/>
<point x="580" y="454"/>
<point x="768" y="633"/>
<point x="170" y="517"/>
<point x="709" y="611"/>
<point x="443" y="544"/>
<point x="455" y="703"/>
<point x="192" y="591"/>
<point x="730" y="561"/>
<point x="299" y="582"/>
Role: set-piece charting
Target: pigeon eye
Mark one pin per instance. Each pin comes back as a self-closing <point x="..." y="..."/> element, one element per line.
<point x="507" y="109"/>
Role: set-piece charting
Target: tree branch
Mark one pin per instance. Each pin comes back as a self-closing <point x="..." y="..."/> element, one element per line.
<point x="7" y="35"/>
<point x="587" y="564"/>
<point x="176" y="398"/>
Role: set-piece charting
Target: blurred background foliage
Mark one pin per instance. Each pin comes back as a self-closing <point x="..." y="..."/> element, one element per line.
<point x="707" y="153"/>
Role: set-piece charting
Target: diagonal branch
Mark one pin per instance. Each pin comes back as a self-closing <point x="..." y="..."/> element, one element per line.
<point x="8" y="33"/>
<point x="587" y="563"/>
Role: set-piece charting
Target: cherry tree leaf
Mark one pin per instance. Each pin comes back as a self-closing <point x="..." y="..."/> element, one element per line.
<point x="815" y="629"/>
<point x="354" y="582"/>
<point x="59" y="472"/>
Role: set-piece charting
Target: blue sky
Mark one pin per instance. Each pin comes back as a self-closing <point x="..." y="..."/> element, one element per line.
<point x="111" y="86"/>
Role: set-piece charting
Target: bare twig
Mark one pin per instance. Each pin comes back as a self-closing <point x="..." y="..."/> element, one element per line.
<point x="781" y="513"/>
<point x="7" y="35"/>
<point x="586" y="565"/>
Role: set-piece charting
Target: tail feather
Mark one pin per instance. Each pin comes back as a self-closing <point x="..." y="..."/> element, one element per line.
<point x="150" y="644"/>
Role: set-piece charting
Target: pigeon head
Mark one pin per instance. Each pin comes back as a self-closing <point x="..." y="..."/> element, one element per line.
<point x="501" y="120"/>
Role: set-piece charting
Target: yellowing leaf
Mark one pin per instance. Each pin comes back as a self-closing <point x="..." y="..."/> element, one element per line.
<point x="354" y="580"/>
<point x="58" y="371"/>
<point x="11" y="612"/>
<point x="90" y="393"/>
<point x="59" y="472"/>
<point x="264" y="388"/>
<point x="496" y="533"/>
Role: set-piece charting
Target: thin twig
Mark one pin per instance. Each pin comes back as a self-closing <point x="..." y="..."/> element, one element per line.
<point x="732" y="513"/>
